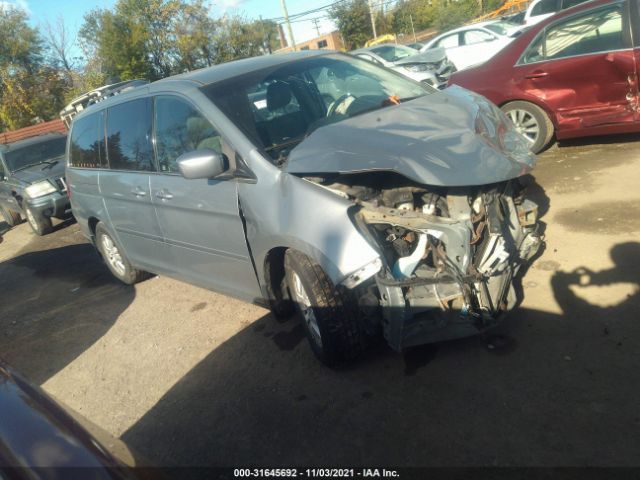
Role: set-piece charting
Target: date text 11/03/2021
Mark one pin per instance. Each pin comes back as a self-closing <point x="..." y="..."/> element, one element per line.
<point x="316" y="472"/>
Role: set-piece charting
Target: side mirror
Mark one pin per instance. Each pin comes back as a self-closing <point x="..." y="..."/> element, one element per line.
<point x="204" y="163"/>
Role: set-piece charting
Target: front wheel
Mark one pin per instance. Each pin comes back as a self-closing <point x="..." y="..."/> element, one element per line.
<point x="331" y="328"/>
<point x="115" y="259"/>
<point x="12" y="218"/>
<point x="532" y="122"/>
<point x="40" y="224"/>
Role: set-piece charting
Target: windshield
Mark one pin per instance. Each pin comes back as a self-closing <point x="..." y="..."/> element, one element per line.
<point x="35" y="153"/>
<point x="501" y="28"/>
<point x="393" y="53"/>
<point x="279" y="106"/>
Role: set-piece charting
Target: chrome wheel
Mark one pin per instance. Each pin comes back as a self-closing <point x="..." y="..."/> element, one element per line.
<point x="112" y="255"/>
<point x="309" y="316"/>
<point x="525" y="123"/>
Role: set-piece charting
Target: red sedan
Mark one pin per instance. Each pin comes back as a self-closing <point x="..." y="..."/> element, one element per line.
<point x="574" y="74"/>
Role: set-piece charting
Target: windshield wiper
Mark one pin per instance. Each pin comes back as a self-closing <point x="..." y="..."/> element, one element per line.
<point x="26" y="166"/>
<point x="49" y="163"/>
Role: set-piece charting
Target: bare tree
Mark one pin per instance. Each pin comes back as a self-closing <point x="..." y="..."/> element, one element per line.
<point x="61" y="41"/>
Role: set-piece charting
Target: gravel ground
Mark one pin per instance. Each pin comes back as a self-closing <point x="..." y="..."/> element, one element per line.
<point x="188" y="377"/>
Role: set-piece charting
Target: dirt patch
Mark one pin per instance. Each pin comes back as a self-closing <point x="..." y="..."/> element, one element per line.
<point x="604" y="218"/>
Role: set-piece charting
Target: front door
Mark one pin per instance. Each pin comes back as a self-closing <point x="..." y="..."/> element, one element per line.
<point x="200" y="219"/>
<point x="584" y="68"/>
<point x="126" y="185"/>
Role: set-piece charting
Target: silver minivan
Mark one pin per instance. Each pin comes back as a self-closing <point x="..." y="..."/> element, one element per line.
<point x="313" y="182"/>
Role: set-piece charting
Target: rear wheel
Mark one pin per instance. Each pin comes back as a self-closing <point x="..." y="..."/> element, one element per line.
<point x="332" y="329"/>
<point x="532" y="122"/>
<point x="12" y="218"/>
<point x="40" y="224"/>
<point x="115" y="259"/>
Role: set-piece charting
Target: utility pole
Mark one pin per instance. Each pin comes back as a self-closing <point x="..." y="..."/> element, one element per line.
<point x="286" y="19"/>
<point x="413" y="30"/>
<point x="373" y="19"/>
<point x="315" y="22"/>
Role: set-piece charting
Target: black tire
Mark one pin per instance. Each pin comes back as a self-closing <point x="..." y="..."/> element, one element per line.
<point x="124" y="272"/>
<point x="545" y="126"/>
<point x="338" y="337"/>
<point x="12" y="218"/>
<point x="40" y="224"/>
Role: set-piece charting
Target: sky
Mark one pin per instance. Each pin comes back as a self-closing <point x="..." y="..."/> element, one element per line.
<point x="72" y="11"/>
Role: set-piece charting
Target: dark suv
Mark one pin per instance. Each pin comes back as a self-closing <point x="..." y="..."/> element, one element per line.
<point x="32" y="181"/>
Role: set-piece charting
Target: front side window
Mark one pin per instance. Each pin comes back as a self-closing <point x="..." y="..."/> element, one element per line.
<point x="472" y="37"/>
<point x="87" y="142"/>
<point x="448" y="41"/>
<point x="129" y="136"/>
<point x="180" y="128"/>
<point x="36" y="153"/>
<point x="597" y="31"/>
<point x="543" y="7"/>
<point x="277" y="107"/>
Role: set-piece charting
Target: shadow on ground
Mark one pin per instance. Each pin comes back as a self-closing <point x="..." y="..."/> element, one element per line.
<point x="56" y="302"/>
<point x="557" y="390"/>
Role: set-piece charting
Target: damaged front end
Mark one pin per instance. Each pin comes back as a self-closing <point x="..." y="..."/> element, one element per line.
<point x="449" y="255"/>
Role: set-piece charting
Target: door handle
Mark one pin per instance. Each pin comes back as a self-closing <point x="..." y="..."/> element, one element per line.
<point x="138" y="192"/>
<point x="164" y="194"/>
<point x="536" y="74"/>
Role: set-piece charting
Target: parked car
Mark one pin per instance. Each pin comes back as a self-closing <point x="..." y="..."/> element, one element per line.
<point x="40" y="440"/>
<point x="473" y="44"/>
<point x="416" y="45"/>
<point x="97" y="95"/>
<point x="32" y="183"/>
<point x="316" y="180"/>
<point x="571" y="75"/>
<point x="540" y="10"/>
<point x="432" y="68"/>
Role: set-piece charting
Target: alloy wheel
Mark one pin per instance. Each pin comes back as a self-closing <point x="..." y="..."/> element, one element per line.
<point x="112" y="255"/>
<point x="525" y="123"/>
<point x="308" y="314"/>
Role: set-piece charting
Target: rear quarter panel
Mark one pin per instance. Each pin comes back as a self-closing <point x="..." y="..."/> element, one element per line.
<point x="86" y="199"/>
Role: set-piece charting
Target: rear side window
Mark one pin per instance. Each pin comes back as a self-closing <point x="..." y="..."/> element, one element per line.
<point x="180" y="128"/>
<point x="544" y="7"/>
<point x="472" y="37"/>
<point x="129" y="136"/>
<point x="87" y="142"/>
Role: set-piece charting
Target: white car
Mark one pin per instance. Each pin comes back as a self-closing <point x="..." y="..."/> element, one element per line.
<point x="538" y="10"/>
<point x="432" y="67"/>
<point x="473" y="44"/>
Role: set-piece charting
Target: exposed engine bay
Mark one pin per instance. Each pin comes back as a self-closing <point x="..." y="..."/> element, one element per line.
<point x="449" y="254"/>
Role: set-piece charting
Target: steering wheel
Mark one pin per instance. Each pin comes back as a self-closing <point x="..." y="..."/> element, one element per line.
<point x="334" y="106"/>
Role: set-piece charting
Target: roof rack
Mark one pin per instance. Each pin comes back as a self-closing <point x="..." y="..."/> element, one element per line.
<point x="78" y="104"/>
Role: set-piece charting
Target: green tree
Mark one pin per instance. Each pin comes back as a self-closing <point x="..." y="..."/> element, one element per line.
<point x="30" y="90"/>
<point x="354" y="22"/>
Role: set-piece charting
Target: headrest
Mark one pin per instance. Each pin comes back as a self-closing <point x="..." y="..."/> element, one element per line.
<point x="198" y="126"/>
<point x="278" y="95"/>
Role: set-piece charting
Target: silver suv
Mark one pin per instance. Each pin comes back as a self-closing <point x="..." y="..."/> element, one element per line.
<point x="369" y="203"/>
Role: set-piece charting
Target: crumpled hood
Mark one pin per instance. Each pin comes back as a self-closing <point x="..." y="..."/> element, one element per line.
<point x="434" y="55"/>
<point x="40" y="172"/>
<point x="431" y="140"/>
